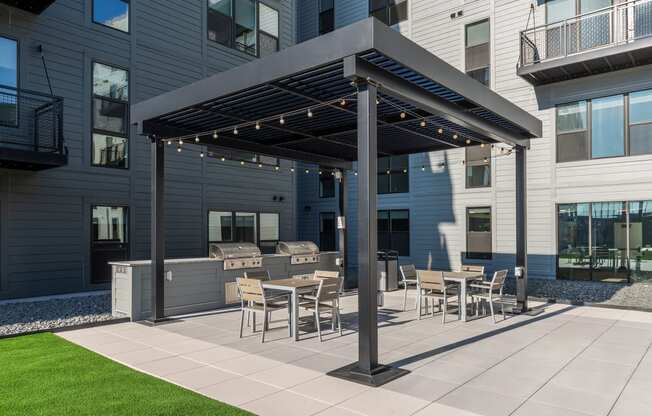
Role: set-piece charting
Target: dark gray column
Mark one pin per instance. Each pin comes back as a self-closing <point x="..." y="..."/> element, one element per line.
<point x="341" y="226"/>
<point x="521" y="228"/>
<point x="367" y="229"/>
<point x="157" y="229"/>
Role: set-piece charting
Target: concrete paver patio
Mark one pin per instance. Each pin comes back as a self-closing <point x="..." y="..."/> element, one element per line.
<point x="567" y="361"/>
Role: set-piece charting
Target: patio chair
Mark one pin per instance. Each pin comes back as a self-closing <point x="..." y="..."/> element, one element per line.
<point x="325" y="274"/>
<point x="431" y="285"/>
<point x="327" y="298"/>
<point x="276" y="296"/>
<point x="491" y="292"/>
<point x="408" y="278"/>
<point x="473" y="268"/>
<point x="253" y="300"/>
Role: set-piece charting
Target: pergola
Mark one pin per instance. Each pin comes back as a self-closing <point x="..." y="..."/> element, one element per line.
<point x="352" y="95"/>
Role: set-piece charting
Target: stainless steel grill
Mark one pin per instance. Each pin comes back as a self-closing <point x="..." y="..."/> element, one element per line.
<point x="237" y="255"/>
<point x="301" y="252"/>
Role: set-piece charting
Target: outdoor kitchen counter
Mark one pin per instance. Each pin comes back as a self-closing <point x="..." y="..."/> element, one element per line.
<point x="194" y="284"/>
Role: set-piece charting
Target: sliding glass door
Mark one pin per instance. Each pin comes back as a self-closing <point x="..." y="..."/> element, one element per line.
<point x="574" y="259"/>
<point x="640" y="240"/>
<point x="609" y="241"/>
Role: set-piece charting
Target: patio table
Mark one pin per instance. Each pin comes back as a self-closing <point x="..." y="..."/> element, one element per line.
<point x="295" y="287"/>
<point x="462" y="278"/>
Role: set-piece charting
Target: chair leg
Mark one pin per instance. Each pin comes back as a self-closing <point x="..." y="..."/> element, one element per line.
<point x="491" y="307"/>
<point x="502" y="310"/>
<point x="289" y="319"/>
<point x="405" y="295"/>
<point x="339" y="320"/>
<point x="248" y="319"/>
<point x="253" y="321"/>
<point x="318" y="323"/>
<point x="242" y="321"/>
<point x="333" y="313"/>
<point x="418" y="304"/>
<point x="262" y="339"/>
<point x="443" y="315"/>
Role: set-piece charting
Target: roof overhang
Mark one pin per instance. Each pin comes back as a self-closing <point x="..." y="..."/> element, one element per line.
<point x="410" y="80"/>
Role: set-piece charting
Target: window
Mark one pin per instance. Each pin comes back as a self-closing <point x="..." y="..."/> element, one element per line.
<point x="608" y="127"/>
<point x="326" y="184"/>
<point x="233" y="23"/>
<point x="605" y="241"/>
<point x="477" y="51"/>
<point x="326" y="16"/>
<point x="110" y="116"/>
<point x="601" y="127"/>
<point x="640" y="122"/>
<point x="327" y="231"/>
<point x="109" y="240"/>
<point x="393" y="174"/>
<point x="478" y="166"/>
<point x="8" y="79"/>
<point x="112" y="13"/>
<point x="268" y="30"/>
<point x="394" y="231"/>
<point x="390" y="12"/>
<point x="237" y="227"/>
<point x="478" y="233"/>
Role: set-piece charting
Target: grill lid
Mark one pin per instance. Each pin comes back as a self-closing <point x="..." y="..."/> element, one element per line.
<point x="294" y="248"/>
<point x="223" y="251"/>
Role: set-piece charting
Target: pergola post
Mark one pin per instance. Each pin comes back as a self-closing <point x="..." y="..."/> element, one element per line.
<point x="367" y="370"/>
<point x="157" y="229"/>
<point x="521" y="229"/>
<point x="341" y="221"/>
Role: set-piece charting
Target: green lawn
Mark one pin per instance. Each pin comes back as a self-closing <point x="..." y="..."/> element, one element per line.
<point x="46" y="375"/>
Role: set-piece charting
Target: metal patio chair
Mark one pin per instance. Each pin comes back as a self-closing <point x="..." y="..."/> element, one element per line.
<point x="431" y="285"/>
<point x="326" y="299"/>
<point x="253" y="300"/>
<point x="408" y="278"/>
<point x="491" y="292"/>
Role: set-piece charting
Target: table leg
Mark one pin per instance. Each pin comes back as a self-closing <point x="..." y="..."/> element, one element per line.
<point x="295" y="314"/>
<point x="463" y="300"/>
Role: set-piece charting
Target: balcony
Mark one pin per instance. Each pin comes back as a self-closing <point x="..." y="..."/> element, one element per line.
<point x="32" y="6"/>
<point x="31" y="130"/>
<point x="604" y="40"/>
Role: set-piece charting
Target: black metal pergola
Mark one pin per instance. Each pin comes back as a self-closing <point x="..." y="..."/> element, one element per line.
<point x="352" y="95"/>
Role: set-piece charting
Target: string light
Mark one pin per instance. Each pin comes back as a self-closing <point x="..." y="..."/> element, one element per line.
<point x="180" y="142"/>
<point x="423" y="168"/>
<point x="388" y="171"/>
<point x="235" y="131"/>
<point x="423" y="123"/>
<point x="260" y="165"/>
<point x="355" y="173"/>
<point x="179" y="149"/>
<point x="282" y="120"/>
<point x="258" y="125"/>
<point x="307" y="171"/>
<point x="215" y="134"/>
<point x="291" y="169"/>
<point x="404" y="170"/>
<point x="343" y="102"/>
<point x="223" y="158"/>
<point x="486" y="160"/>
<point x="242" y="162"/>
<point x="377" y="101"/>
<point x="169" y="142"/>
<point x="201" y="154"/>
<point x="482" y="145"/>
<point x="403" y="115"/>
<point x="277" y="167"/>
<point x="440" y="130"/>
<point x="455" y="136"/>
<point x="320" y="172"/>
<point x="309" y="113"/>
<point x="197" y="139"/>
<point x="468" y="141"/>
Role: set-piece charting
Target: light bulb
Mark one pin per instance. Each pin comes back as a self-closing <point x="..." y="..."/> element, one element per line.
<point x="282" y="120"/>
<point x="454" y="136"/>
<point x="215" y="134"/>
<point x="307" y="171"/>
<point x="178" y="149"/>
<point x="196" y="139"/>
<point x="440" y="131"/>
<point x="277" y="167"/>
<point x="258" y="125"/>
<point x="235" y="131"/>
<point x="343" y="102"/>
<point x="403" y="115"/>
<point x="423" y="123"/>
<point x="291" y="169"/>
<point x="260" y="165"/>
<point x="201" y="154"/>
<point x="355" y="173"/>
<point x="404" y="170"/>
<point x="468" y="141"/>
<point x="222" y="158"/>
<point x="169" y="142"/>
<point x="180" y="142"/>
<point x="481" y="144"/>
<point x="242" y="162"/>
<point x="423" y="168"/>
<point x="309" y="113"/>
<point x="388" y="172"/>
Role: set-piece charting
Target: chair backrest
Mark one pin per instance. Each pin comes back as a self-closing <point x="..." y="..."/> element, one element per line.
<point x="251" y="290"/>
<point x="472" y="268"/>
<point x="324" y="274"/>
<point x="499" y="279"/>
<point x="431" y="280"/>
<point x="408" y="272"/>
<point x="258" y="275"/>
<point x="329" y="288"/>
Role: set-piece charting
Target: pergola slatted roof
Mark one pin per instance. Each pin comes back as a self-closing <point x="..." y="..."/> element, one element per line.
<point x="316" y="74"/>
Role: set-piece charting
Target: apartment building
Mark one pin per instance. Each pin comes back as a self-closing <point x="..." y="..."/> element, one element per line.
<point x="583" y="68"/>
<point x="70" y="196"/>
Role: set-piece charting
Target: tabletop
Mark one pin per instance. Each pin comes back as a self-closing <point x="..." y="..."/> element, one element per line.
<point x="459" y="276"/>
<point x="291" y="283"/>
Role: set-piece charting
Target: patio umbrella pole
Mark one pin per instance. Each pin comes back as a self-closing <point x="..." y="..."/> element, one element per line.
<point x="367" y="370"/>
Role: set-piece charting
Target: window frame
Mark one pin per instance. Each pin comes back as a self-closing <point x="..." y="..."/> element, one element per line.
<point x="386" y="8"/>
<point x="392" y="172"/>
<point x="320" y="12"/>
<point x="391" y="231"/>
<point x="232" y="29"/>
<point x="233" y="225"/>
<point x="128" y="31"/>
<point x="473" y="70"/>
<point x="589" y="128"/>
<point x="17" y="87"/>
<point x="334" y="216"/>
<point x="93" y="242"/>
<point x="469" y="164"/>
<point x="259" y="30"/>
<point x="102" y="132"/>
<point x="477" y="255"/>
<point x="324" y="175"/>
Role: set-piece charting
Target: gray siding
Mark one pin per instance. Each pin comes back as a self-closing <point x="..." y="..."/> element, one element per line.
<point x="45" y="216"/>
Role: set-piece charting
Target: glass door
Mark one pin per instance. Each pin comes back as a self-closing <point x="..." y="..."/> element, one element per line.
<point x="609" y="242"/>
<point x="640" y="240"/>
<point x="574" y="258"/>
<point x="109" y="240"/>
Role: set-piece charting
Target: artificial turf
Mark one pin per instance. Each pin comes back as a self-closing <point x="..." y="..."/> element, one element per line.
<point x="46" y="375"/>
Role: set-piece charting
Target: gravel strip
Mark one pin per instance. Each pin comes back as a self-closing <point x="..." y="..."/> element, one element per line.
<point x="636" y="295"/>
<point x="21" y="317"/>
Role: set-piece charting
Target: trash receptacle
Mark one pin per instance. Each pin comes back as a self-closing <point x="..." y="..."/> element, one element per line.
<point x="387" y="270"/>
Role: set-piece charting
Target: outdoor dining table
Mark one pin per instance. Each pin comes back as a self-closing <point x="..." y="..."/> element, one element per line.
<point x="463" y="279"/>
<point x="295" y="287"/>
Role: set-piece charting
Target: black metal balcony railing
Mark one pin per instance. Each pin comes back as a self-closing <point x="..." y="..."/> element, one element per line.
<point x="616" y="25"/>
<point x="31" y="121"/>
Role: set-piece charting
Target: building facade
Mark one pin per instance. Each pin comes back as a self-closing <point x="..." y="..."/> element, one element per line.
<point x="65" y="212"/>
<point x="580" y="66"/>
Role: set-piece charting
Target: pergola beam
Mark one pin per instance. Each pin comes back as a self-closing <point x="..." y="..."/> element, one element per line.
<point x="356" y="68"/>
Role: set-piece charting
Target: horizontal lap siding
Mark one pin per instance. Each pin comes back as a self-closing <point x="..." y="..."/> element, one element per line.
<point x="45" y="228"/>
